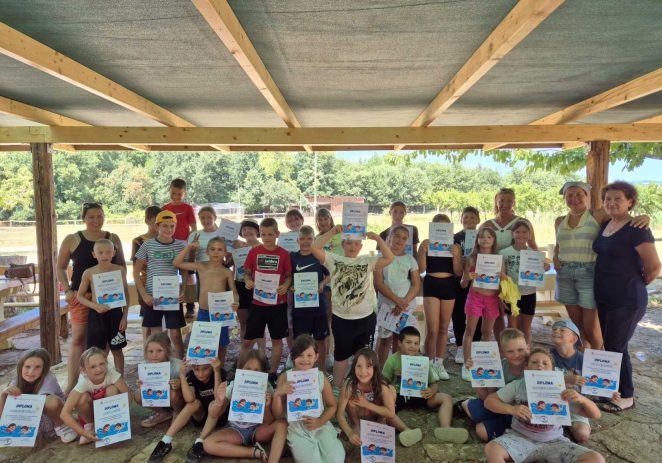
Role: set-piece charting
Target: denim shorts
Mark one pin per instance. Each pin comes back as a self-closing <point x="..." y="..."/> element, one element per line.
<point x="574" y="284"/>
<point x="247" y="433"/>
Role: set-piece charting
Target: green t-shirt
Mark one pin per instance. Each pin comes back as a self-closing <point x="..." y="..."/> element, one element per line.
<point x="392" y="371"/>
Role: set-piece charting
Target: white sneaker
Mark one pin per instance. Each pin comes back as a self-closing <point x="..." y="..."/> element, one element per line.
<point x="441" y="371"/>
<point x="466" y="376"/>
<point x="65" y="433"/>
<point x="459" y="355"/>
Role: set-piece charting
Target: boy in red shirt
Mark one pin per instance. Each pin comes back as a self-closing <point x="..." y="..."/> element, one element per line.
<point x="267" y="308"/>
<point x="183" y="211"/>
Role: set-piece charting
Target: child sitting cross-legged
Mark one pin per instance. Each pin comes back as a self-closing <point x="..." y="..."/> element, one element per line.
<point x="410" y="341"/>
<point x="537" y="442"/>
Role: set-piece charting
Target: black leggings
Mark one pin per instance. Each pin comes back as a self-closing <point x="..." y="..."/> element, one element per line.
<point x="460" y="318"/>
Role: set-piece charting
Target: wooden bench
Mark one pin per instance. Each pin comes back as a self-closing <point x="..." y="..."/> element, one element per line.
<point x="28" y="320"/>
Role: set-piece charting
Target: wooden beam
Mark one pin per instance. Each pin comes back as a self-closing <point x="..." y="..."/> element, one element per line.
<point x="515" y="27"/>
<point x="224" y="23"/>
<point x="597" y="170"/>
<point x="44" y="201"/>
<point x="621" y="94"/>
<point x="651" y="120"/>
<point x="331" y="136"/>
<point x="42" y="116"/>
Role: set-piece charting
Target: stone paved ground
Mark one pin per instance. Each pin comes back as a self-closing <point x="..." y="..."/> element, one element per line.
<point x="635" y="436"/>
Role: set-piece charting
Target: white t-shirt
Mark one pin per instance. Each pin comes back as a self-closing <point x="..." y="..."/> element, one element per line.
<point x="396" y="277"/>
<point x="352" y="290"/>
<point x="85" y="385"/>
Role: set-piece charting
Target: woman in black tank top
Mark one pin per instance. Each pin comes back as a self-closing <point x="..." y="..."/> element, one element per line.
<point x="77" y="248"/>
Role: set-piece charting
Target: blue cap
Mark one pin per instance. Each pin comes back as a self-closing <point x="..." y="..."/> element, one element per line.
<point x="569" y="325"/>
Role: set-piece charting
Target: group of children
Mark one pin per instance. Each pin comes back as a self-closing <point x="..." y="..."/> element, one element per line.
<point x="365" y="384"/>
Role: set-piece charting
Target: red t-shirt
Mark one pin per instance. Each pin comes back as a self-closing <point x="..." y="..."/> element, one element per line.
<point x="185" y="217"/>
<point x="277" y="261"/>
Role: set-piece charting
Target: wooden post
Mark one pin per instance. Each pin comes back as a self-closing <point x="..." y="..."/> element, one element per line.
<point x="597" y="170"/>
<point x="44" y="202"/>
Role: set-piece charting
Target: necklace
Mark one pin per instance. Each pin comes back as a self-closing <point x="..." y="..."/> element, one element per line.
<point x="617" y="225"/>
<point x="576" y="214"/>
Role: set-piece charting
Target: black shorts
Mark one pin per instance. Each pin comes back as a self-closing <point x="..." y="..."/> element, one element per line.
<point x="527" y="305"/>
<point x="409" y="402"/>
<point x="174" y="319"/>
<point x="245" y="295"/>
<point x="441" y="288"/>
<point x="273" y="316"/>
<point x="352" y="335"/>
<point x="315" y="325"/>
<point x="104" y="329"/>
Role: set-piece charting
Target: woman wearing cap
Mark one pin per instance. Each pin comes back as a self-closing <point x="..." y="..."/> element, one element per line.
<point x="574" y="259"/>
<point x="626" y="262"/>
<point x="77" y="248"/>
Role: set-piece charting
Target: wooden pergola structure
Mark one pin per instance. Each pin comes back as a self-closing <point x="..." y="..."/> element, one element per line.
<point x="272" y="75"/>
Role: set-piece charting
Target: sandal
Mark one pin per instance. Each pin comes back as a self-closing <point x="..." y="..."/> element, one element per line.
<point x="611" y="407"/>
<point x="259" y="453"/>
<point x="155" y="419"/>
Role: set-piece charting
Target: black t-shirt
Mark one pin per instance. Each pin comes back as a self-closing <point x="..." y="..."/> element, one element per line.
<point x="204" y="392"/>
<point x="309" y="263"/>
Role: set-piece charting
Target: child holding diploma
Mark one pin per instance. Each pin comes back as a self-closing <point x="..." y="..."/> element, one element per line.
<point x="239" y="439"/>
<point x="398" y="211"/>
<point x="311" y="319"/>
<point x="366" y="395"/>
<point x="198" y="385"/>
<point x="156" y="255"/>
<point x="105" y="326"/>
<point x="33" y="376"/>
<point x="521" y="232"/>
<point x="158" y="349"/>
<point x="311" y="439"/>
<point x="481" y="302"/>
<point x="488" y="424"/>
<point x="269" y="260"/>
<point x="536" y="442"/>
<point x="398" y="285"/>
<point x="96" y="380"/>
<point x="410" y="341"/>
<point x="214" y="278"/>
<point x="439" y="288"/>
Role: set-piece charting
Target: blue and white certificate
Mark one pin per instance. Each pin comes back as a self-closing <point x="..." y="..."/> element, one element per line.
<point x="154" y="387"/>
<point x="165" y="292"/>
<point x="441" y="239"/>
<point x="543" y="391"/>
<point x="249" y="395"/>
<point x="289" y="241"/>
<point x="220" y="308"/>
<point x="20" y="420"/>
<point x="203" y="344"/>
<point x="602" y="370"/>
<point x="306" y="400"/>
<point x="266" y="286"/>
<point x="487" y="267"/>
<point x="229" y="231"/>
<point x="487" y="370"/>
<point x="306" y="290"/>
<point x="531" y="268"/>
<point x="391" y="321"/>
<point x="377" y="442"/>
<point x="469" y="241"/>
<point x="109" y="289"/>
<point x="415" y="371"/>
<point x="354" y="221"/>
<point x="239" y="256"/>
<point x="111" y="419"/>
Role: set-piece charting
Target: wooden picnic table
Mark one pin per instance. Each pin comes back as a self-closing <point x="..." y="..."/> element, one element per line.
<point x="7" y="288"/>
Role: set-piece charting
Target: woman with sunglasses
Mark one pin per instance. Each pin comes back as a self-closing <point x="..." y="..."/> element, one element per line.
<point x="78" y="248"/>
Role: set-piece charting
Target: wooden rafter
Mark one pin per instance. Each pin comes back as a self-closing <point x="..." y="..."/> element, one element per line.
<point x="516" y="26"/>
<point x="651" y="120"/>
<point x="42" y="116"/>
<point x="332" y="136"/>
<point x="621" y="94"/>
<point x="224" y="23"/>
<point x="28" y="51"/>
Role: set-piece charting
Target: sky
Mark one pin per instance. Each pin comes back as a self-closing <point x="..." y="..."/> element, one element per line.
<point x="650" y="170"/>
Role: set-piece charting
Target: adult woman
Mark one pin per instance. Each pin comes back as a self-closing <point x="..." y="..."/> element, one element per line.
<point x="77" y="248"/>
<point x="626" y="262"/>
<point x="574" y="259"/>
<point x="502" y="224"/>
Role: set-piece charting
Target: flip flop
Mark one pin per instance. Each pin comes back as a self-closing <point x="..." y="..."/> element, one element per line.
<point x="452" y="435"/>
<point x="410" y="437"/>
<point x="155" y="419"/>
<point x="611" y="407"/>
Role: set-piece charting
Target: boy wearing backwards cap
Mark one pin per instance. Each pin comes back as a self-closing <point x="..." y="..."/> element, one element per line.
<point x="565" y="337"/>
<point x="156" y="255"/>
